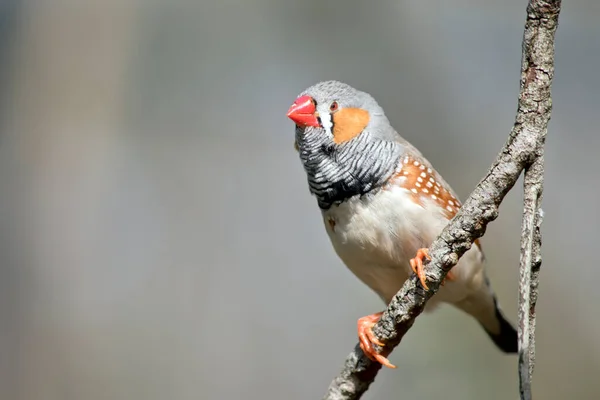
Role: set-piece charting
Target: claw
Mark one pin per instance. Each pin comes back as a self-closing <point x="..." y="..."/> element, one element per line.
<point x="449" y="276"/>
<point x="367" y="339"/>
<point x="417" y="266"/>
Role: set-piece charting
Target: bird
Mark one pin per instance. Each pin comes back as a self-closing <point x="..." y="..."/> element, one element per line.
<point x="382" y="204"/>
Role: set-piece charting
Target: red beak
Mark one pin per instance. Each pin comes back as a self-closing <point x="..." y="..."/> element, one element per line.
<point x="303" y="112"/>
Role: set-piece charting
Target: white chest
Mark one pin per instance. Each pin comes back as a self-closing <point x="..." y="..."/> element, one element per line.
<point x="375" y="236"/>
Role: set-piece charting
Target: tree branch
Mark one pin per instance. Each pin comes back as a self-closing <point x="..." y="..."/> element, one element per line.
<point x="531" y="260"/>
<point x="523" y="150"/>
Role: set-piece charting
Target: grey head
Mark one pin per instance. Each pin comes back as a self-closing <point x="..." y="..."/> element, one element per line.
<point x="345" y="142"/>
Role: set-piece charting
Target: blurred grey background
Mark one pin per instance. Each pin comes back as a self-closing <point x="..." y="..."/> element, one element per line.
<point x="158" y="240"/>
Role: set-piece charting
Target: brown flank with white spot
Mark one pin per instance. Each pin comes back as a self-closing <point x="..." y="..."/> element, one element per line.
<point x="422" y="183"/>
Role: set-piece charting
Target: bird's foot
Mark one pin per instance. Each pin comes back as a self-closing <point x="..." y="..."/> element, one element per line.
<point x="367" y="339"/>
<point x="449" y="276"/>
<point x="417" y="266"/>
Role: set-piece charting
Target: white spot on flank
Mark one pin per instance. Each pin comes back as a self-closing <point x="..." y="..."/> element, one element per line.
<point x="433" y="197"/>
<point x="450" y="202"/>
<point x="419" y="179"/>
<point x="417" y="184"/>
<point x="416" y="163"/>
<point x="422" y="167"/>
<point x="428" y="170"/>
<point x="405" y="172"/>
<point x="423" y="174"/>
<point x="429" y="184"/>
<point x="431" y="179"/>
<point x="449" y="208"/>
<point x="406" y="160"/>
<point x="425" y="190"/>
<point x="413" y="190"/>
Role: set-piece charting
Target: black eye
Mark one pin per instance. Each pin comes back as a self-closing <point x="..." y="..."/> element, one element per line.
<point x="334" y="106"/>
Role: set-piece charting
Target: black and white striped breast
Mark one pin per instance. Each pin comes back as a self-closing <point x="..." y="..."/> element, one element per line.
<point x="337" y="172"/>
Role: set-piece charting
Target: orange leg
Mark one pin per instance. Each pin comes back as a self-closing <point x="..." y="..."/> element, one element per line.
<point x="366" y="339"/>
<point x="449" y="276"/>
<point x="417" y="266"/>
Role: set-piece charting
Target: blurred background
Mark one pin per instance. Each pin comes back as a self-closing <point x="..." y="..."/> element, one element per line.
<point x="158" y="239"/>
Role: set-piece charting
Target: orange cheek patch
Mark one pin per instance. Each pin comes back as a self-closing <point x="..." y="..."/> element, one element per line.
<point x="349" y="123"/>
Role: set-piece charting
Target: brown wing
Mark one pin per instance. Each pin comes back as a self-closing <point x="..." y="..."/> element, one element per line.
<point x="424" y="182"/>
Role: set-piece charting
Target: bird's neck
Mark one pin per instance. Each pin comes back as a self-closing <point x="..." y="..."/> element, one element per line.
<point x="338" y="172"/>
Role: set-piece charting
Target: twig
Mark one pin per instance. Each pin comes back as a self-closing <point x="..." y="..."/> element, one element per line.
<point x="531" y="260"/>
<point x="524" y="149"/>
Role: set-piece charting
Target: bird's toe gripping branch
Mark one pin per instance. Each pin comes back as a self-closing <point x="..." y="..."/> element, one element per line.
<point x="417" y="266"/>
<point x="367" y="339"/>
<point x="365" y="324"/>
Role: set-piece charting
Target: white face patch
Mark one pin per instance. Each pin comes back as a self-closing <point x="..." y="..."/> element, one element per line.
<point x="326" y="121"/>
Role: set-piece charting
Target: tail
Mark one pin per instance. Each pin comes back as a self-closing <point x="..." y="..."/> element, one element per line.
<point x="506" y="337"/>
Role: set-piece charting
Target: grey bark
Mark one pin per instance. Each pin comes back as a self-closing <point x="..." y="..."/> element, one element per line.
<point x="531" y="261"/>
<point x="523" y="151"/>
